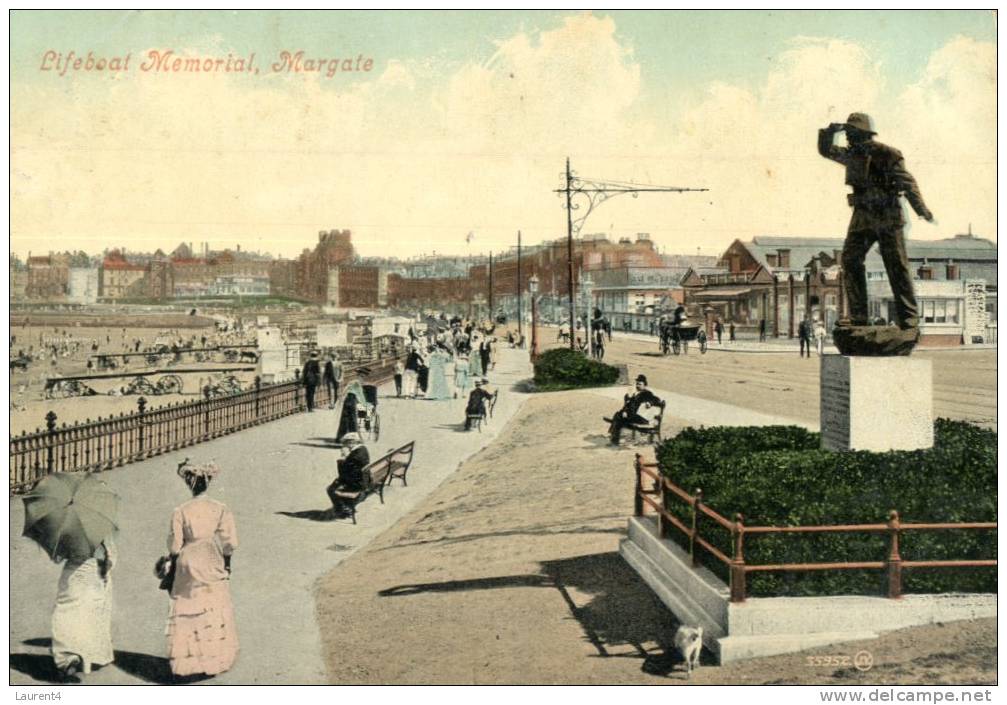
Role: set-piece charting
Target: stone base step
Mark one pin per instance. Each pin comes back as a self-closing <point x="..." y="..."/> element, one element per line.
<point x="736" y="648"/>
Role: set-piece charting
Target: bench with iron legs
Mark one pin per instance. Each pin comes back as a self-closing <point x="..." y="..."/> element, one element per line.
<point x="399" y="461"/>
<point x="381" y="472"/>
<point x="652" y="430"/>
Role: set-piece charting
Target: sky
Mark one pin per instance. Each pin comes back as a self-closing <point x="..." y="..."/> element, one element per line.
<point x="465" y="119"/>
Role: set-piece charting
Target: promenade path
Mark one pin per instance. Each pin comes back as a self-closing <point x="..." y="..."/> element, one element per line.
<point x="509" y="573"/>
<point x="274" y="478"/>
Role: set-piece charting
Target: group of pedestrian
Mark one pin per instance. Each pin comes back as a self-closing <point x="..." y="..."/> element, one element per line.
<point x="314" y="375"/>
<point x="806" y="331"/>
<point x="201" y="634"/>
<point x="444" y="368"/>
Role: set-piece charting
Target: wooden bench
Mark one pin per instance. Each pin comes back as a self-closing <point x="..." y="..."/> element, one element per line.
<point x="652" y="430"/>
<point x="399" y="461"/>
<point x="381" y="472"/>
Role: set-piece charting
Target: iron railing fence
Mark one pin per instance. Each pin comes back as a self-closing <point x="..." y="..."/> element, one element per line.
<point x="662" y="492"/>
<point x="111" y="442"/>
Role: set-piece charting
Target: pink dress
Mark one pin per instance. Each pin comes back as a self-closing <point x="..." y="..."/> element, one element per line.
<point x="202" y="637"/>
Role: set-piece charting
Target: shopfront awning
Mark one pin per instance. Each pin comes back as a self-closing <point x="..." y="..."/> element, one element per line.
<point x="721" y="293"/>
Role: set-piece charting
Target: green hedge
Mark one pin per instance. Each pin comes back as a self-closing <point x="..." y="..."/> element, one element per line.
<point x="562" y="368"/>
<point x="778" y="476"/>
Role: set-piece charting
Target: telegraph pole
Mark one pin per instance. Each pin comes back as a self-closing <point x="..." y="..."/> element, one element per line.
<point x="490" y="298"/>
<point x="596" y="191"/>
<point x="520" y="323"/>
<point x="569" y="252"/>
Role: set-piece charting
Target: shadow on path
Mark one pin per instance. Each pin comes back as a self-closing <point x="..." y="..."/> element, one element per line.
<point x="621" y="610"/>
<point x="153" y="669"/>
<point x="329" y="445"/>
<point x="582" y="526"/>
<point x="460" y="427"/>
<point x="146" y="667"/>
<point x="329" y="514"/>
<point x="38" y="667"/>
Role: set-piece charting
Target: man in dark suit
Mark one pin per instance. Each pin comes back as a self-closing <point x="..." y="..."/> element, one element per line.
<point x="804" y="335"/>
<point x="629" y="414"/>
<point x="351" y="468"/>
<point x="311" y="376"/>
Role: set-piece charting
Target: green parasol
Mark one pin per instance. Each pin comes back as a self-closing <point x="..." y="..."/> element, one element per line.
<point x="69" y="515"/>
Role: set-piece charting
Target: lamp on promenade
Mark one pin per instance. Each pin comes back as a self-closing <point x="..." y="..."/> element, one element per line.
<point x="533" y="290"/>
<point x="587" y="287"/>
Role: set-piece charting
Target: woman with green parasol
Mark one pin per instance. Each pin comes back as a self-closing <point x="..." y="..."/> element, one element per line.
<point x="73" y="517"/>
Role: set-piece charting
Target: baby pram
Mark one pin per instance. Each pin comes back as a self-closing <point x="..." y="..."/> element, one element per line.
<point x="367" y="409"/>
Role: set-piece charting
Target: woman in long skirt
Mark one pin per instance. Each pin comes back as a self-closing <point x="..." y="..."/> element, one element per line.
<point x="438" y="387"/>
<point x="461" y="375"/>
<point x="202" y="637"/>
<point x="475" y="359"/>
<point x="82" y="619"/>
<point x="348" y="419"/>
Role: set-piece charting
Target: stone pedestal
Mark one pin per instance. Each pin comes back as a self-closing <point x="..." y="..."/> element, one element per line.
<point x="876" y="403"/>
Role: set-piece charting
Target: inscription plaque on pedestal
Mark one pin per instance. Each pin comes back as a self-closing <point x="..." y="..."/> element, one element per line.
<point x="876" y="403"/>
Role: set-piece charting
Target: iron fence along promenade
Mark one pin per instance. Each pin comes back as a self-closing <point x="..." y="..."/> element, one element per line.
<point x="111" y="442"/>
<point x="663" y="492"/>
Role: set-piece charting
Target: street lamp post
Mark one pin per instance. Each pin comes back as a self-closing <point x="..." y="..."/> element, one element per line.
<point x="587" y="286"/>
<point x="533" y="291"/>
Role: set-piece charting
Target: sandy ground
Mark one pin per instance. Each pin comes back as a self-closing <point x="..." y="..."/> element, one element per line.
<point x="509" y="573"/>
<point x="28" y="405"/>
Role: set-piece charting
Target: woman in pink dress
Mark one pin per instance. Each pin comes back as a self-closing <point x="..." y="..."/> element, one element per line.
<point x="202" y="638"/>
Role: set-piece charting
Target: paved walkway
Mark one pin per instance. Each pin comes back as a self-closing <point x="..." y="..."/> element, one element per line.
<point x="746" y="345"/>
<point x="703" y="412"/>
<point x="274" y="480"/>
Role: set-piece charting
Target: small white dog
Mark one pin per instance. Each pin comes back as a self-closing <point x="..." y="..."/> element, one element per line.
<point x="689" y="642"/>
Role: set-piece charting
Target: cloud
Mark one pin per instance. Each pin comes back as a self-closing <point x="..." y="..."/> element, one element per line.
<point x="418" y="153"/>
<point x="552" y="92"/>
<point x="949" y="126"/>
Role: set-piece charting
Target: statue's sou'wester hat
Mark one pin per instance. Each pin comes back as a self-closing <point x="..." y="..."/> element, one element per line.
<point x="862" y="122"/>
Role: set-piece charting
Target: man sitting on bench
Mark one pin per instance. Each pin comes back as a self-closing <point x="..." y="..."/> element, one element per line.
<point x="629" y="414"/>
<point x="351" y="468"/>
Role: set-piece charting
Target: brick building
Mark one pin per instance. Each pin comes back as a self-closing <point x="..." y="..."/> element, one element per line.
<point x="784" y="279"/>
<point x="48" y="277"/>
<point x="357" y="286"/>
<point x="160" y="279"/>
<point x="283" y="277"/>
<point x="334" y="248"/>
<point x="118" y="278"/>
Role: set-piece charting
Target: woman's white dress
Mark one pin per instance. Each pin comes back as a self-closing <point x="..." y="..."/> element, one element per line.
<point x="82" y="618"/>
